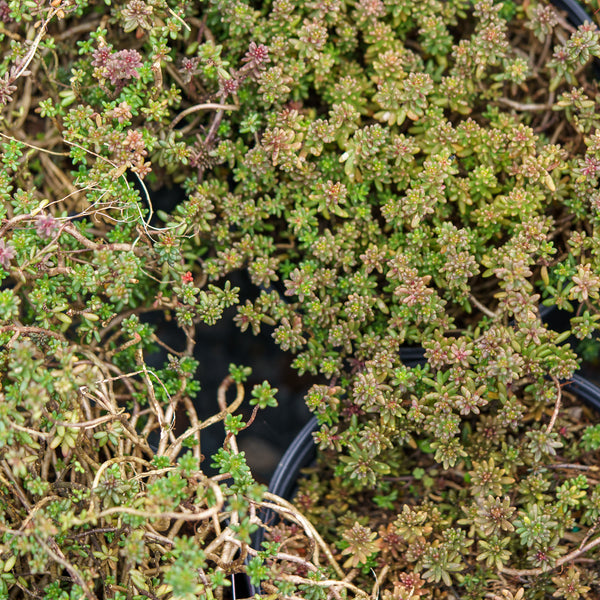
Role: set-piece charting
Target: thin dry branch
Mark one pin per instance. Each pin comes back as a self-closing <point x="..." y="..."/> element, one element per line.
<point x="280" y="505"/>
<point x="199" y="107"/>
<point x="556" y="406"/>
<point x="572" y="556"/>
<point x="174" y="449"/>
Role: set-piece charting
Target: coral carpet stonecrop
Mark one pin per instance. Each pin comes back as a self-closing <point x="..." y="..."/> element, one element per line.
<point x="103" y="490"/>
<point x="425" y="173"/>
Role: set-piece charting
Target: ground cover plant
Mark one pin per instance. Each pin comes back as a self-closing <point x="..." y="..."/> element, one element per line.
<point x="388" y="173"/>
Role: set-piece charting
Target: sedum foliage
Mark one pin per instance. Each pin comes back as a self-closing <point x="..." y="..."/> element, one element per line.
<point x="103" y="490"/>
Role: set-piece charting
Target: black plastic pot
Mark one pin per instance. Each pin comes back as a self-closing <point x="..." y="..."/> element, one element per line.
<point x="302" y="453"/>
<point x="576" y="14"/>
